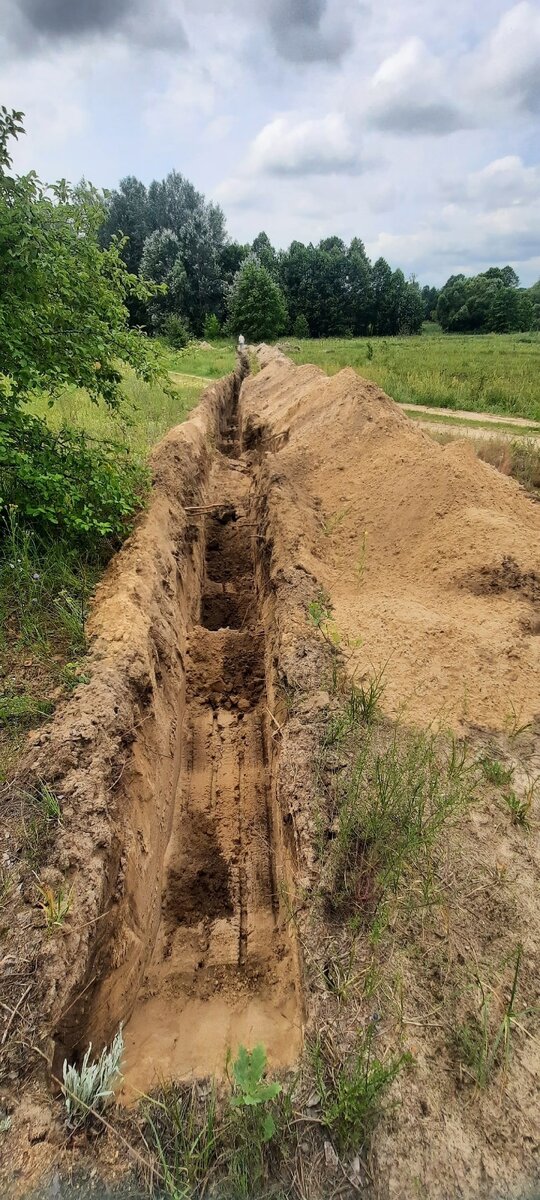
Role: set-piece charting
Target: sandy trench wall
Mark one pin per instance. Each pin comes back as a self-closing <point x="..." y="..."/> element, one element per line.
<point x="111" y="753"/>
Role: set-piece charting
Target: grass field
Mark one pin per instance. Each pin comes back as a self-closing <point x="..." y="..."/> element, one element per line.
<point x="497" y="373"/>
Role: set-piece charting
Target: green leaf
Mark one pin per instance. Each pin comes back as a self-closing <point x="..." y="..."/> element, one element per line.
<point x="269" y="1128"/>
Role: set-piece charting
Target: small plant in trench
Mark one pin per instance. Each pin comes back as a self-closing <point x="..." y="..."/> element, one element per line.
<point x="251" y="1090"/>
<point x="185" y="1134"/>
<point x="7" y="884"/>
<point x="50" y="804"/>
<point x="89" y="1088"/>
<point x="496" y="772"/>
<point x="352" y="1094"/>
<point x="519" y="809"/>
<point x="55" y="905"/>
<point x="364" y="699"/>
<point x="483" y="1042"/>
<point x="392" y="805"/>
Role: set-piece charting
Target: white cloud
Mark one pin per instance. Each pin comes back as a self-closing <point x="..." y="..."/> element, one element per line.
<point x="51" y="95"/>
<point x="457" y="239"/>
<point x="290" y="145"/>
<point x="508" y="65"/>
<point x="504" y="182"/>
<point x="408" y="94"/>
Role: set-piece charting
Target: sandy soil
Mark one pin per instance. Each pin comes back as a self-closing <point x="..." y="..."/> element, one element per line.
<point x="192" y="815"/>
<point x="430" y="560"/>
<point x="410" y="540"/>
<point x="220" y="974"/>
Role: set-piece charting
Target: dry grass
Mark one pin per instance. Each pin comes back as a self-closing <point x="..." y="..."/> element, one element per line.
<point x="519" y="457"/>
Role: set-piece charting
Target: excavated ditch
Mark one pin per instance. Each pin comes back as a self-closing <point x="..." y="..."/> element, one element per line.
<point x="215" y="967"/>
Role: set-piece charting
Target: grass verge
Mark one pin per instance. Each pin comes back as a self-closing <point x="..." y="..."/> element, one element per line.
<point x="46" y="587"/>
<point x="489" y="373"/>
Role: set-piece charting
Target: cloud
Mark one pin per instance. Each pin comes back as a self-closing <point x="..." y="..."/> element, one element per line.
<point x="408" y="94"/>
<point x="509" y="64"/>
<point x="32" y="25"/>
<point x="458" y="240"/>
<point x="307" y="31"/>
<point x="241" y="192"/>
<point x="504" y="182"/>
<point x="50" y="95"/>
<point x="289" y="145"/>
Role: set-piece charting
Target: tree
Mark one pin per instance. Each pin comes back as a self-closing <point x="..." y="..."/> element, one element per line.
<point x="127" y="215"/>
<point x="161" y="263"/>
<point x="534" y="298"/>
<point x="361" y="288"/>
<point x="212" y="327"/>
<point x="263" y="249"/>
<point x="173" y="204"/>
<point x="489" y="302"/>
<point x="301" y="327"/>
<point x="383" y="298"/>
<point x="63" y="321"/>
<point x="231" y="257"/>
<point x="256" y="305"/>
<point x="430" y="296"/>
<point x="505" y="314"/>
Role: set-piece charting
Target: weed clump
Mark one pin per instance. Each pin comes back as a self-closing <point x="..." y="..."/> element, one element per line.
<point x="88" y="1088"/>
<point x="483" y="1041"/>
<point x="352" y="1094"/>
<point x="390" y="807"/>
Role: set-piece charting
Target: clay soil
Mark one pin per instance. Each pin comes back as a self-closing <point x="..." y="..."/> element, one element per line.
<point x="194" y="828"/>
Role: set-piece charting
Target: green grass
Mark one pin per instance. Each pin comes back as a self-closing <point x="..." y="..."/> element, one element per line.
<point x="194" y="360"/>
<point x="352" y="1093"/>
<point x="46" y="588"/>
<point x="390" y="808"/>
<point x="493" y="373"/>
<point x="483" y="1041"/>
<point x="148" y="411"/>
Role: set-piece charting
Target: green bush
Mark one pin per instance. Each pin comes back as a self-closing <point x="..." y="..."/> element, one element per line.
<point x="300" y="327"/>
<point x="212" y="327"/>
<point x="67" y="484"/>
<point x="175" y="332"/>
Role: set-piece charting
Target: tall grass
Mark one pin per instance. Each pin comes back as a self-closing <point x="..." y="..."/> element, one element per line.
<point x="147" y="411"/>
<point x="491" y="373"/>
<point x="196" y="360"/>
<point x="46" y="586"/>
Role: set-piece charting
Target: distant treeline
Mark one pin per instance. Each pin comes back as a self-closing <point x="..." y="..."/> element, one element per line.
<point x="212" y="284"/>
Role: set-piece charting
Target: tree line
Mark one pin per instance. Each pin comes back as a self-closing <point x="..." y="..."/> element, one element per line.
<point x="211" y="283"/>
<point x="491" y="302"/>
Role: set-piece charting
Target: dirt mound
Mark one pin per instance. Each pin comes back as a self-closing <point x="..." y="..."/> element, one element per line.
<point x="429" y="561"/>
<point x="392" y="524"/>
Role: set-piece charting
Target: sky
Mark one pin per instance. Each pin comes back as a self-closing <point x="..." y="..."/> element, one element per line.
<point x="413" y="124"/>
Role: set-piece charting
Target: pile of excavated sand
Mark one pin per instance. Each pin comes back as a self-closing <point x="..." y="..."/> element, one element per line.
<point x="430" y="556"/>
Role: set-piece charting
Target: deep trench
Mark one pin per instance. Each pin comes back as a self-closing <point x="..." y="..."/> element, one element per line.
<point x="222" y="969"/>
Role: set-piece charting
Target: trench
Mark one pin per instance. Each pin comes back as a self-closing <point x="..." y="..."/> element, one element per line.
<point x="221" y="968"/>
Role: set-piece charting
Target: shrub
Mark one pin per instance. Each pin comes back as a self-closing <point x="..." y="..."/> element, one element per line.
<point x="175" y="332"/>
<point x="90" y="1087"/>
<point x="300" y="327"/>
<point x="212" y="327"/>
<point x="67" y="483"/>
